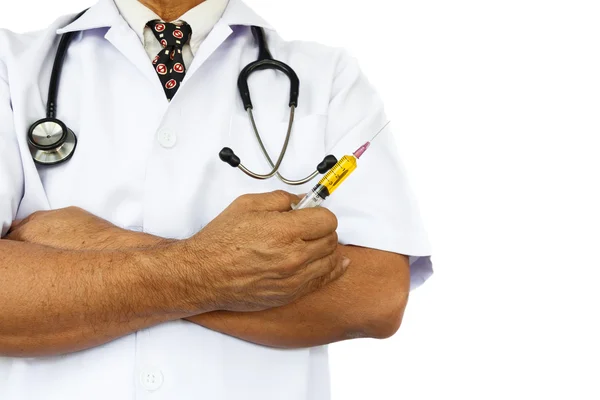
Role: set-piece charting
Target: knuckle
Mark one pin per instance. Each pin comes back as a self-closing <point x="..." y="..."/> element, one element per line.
<point x="281" y="196"/>
<point x="334" y="240"/>
<point x="287" y="269"/>
<point x="326" y="218"/>
<point x="295" y="260"/>
<point x="301" y="257"/>
<point x="281" y="270"/>
<point x="332" y="220"/>
<point x="334" y="261"/>
<point x="244" y="200"/>
<point x="36" y="215"/>
<point x="293" y="263"/>
<point x="287" y="232"/>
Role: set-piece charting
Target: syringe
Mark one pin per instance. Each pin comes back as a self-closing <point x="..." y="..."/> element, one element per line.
<point x="334" y="178"/>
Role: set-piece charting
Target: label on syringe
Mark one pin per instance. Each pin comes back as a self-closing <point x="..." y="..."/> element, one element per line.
<point x="336" y="175"/>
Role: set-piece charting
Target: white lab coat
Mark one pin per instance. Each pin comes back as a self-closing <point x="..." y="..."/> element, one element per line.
<point x="144" y="164"/>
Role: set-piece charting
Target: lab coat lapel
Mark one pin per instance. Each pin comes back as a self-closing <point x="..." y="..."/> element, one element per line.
<point x="215" y="38"/>
<point x="120" y="35"/>
<point x="128" y="43"/>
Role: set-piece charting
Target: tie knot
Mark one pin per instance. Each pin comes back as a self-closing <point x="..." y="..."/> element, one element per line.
<point x="171" y="34"/>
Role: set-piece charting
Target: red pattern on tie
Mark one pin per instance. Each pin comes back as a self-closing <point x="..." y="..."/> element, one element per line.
<point x="169" y="64"/>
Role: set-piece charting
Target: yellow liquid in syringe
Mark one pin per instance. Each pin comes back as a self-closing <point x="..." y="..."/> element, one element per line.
<point x="338" y="174"/>
<point x="334" y="178"/>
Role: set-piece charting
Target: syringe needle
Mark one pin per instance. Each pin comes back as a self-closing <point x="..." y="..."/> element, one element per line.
<point x="361" y="150"/>
<point x="334" y="177"/>
<point x="381" y="130"/>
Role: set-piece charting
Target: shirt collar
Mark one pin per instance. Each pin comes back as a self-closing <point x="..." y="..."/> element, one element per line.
<point x="201" y="18"/>
<point x="106" y="14"/>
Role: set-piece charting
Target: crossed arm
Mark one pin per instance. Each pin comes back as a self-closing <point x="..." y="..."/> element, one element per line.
<point x="368" y="301"/>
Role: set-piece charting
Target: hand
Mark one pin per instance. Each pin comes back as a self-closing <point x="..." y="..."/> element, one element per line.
<point x="58" y="228"/>
<point x="73" y="228"/>
<point x="260" y="254"/>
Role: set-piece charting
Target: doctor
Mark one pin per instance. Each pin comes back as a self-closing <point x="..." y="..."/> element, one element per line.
<point x="143" y="267"/>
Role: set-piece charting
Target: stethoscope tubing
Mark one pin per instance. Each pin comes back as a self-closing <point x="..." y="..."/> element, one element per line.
<point x="276" y="166"/>
<point x="52" y="154"/>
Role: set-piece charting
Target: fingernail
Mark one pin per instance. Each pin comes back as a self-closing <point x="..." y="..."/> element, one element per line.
<point x="345" y="262"/>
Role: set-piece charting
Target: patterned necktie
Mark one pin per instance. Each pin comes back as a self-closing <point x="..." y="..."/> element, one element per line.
<point x="169" y="62"/>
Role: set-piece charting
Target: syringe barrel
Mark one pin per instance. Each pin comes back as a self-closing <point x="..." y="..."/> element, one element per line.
<point x="338" y="174"/>
<point x="311" y="200"/>
<point x="331" y="181"/>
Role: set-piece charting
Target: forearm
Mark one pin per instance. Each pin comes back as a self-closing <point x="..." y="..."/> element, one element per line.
<point x="350" y="307"/>
<point x="368" y="301"/>
<point x="58" y="301"/>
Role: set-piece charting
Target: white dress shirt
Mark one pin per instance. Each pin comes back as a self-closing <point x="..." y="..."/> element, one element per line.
<point x="201" y="18"/>
<point x="144" y="163"/>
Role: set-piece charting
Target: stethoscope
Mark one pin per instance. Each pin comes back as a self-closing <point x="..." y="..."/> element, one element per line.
<point x="51" y="142"/>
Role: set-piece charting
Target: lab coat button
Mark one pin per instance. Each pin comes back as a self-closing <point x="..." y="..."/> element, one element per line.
<point x="152" y="379"/>
<point x="167" y="139"/>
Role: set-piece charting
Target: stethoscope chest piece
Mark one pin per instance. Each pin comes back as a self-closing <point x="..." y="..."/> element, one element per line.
<point x="51" y="142"/>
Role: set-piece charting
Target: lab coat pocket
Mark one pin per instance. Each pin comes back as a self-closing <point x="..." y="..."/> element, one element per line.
<point x="305" y="151"/>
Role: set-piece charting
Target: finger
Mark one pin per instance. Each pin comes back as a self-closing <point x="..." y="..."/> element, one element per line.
<point x="319" y="248"/>
<point x="323" y="266"/>
<point x="334" y="275"/>
<point x="278" y="200"/>
<point x="312" y="223"/>
<point x="14" y="226"/>
<point x="339" y="267"/>
<point x="34" y="215"/>
<point x="16" y="223"/>
<point x="300" y="197"/>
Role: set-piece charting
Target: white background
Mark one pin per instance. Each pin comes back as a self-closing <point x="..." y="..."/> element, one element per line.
<point x="496" y="109"/>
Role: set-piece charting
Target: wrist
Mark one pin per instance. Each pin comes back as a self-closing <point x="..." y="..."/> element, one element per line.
<point x="134" y="239"/>
<point x="177" y="275"/>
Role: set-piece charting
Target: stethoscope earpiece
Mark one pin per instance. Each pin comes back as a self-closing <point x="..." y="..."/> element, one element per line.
<point x="228" y="156"/>
<point x="266" y="61"/>
<point x="327" y="163"/>
<point x="51" y="141"/>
